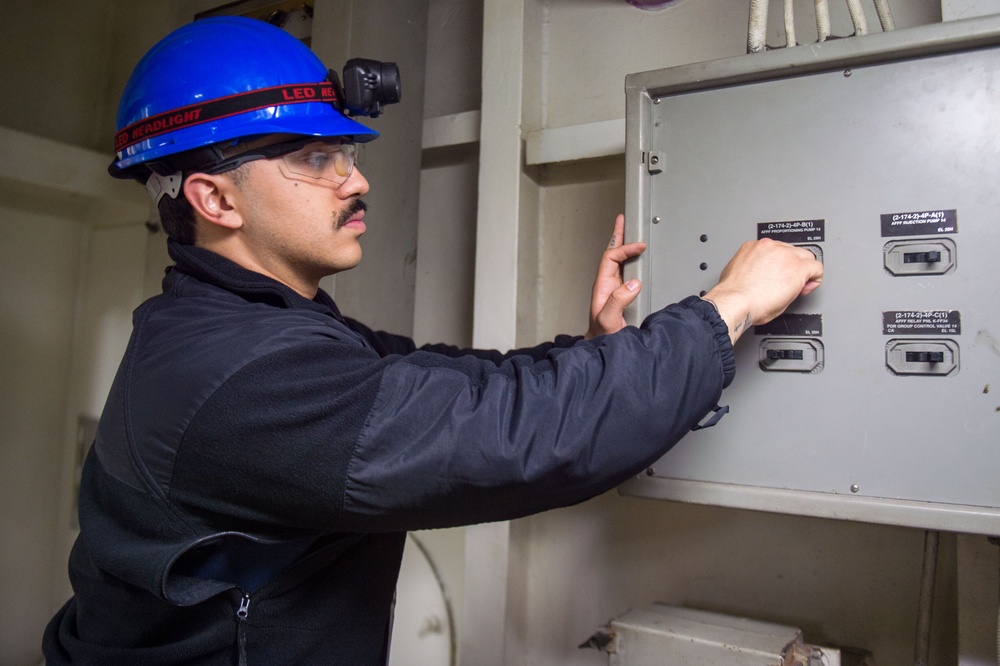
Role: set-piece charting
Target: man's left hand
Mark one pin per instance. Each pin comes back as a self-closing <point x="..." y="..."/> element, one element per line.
<point x="611" y="295"/>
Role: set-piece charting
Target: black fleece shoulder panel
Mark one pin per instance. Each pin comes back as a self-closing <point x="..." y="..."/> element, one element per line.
<point x="272" y="444"/>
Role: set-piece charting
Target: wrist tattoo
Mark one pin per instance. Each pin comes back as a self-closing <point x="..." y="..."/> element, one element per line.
<point x="745" y="324"/>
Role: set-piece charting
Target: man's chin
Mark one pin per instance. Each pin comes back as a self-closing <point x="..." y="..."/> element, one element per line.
<point x="349" y="262"/>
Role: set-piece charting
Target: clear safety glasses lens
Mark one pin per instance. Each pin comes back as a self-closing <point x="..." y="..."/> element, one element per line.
<point x="321" y="162"/>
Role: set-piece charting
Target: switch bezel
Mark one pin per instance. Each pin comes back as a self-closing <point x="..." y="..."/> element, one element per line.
<point x="812" y="350"/>
<point x="894" y="256"/>
<point x="897" y="349"/>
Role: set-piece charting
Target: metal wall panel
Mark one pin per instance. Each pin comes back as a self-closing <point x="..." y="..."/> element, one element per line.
<point x="876" y="398"/>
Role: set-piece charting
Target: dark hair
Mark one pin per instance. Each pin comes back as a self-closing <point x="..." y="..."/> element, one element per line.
<point x="177" y="215"/>
<point x="177" y="218"/>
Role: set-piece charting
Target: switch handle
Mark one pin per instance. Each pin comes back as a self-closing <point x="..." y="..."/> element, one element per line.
<point x="924" y="357"/>
<point x="933" y="257"/>
<point x="784" y="354"/>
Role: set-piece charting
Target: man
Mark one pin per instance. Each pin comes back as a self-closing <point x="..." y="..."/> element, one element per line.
<point x="261" y="457"/>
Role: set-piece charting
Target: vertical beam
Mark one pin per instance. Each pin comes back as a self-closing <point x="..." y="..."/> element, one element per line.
<point x="487" y="547"/>
<point x="495" y="309"/>
<point x="484" y="601"/>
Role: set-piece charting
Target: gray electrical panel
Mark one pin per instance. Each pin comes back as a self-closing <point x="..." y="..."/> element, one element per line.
<point x="877" y="397"/>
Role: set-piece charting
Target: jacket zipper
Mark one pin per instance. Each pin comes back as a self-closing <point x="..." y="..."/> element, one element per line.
<point x="241" y="616"/>
<point x="268" y="588"/>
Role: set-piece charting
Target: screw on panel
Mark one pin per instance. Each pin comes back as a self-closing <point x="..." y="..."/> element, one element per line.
<point x="650" y="471"/>
<point x="656" y="101"/>
<point x="654" y="163"/>
<point x="656" y="219"/>
<point x="854" y="488"/>
<point x="847" y="73"/>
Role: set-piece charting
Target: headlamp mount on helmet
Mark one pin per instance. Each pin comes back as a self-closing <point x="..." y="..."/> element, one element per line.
<point x="368" y="85"/>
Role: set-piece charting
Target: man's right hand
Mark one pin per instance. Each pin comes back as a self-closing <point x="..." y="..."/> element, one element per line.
<point x="760" y="281"/>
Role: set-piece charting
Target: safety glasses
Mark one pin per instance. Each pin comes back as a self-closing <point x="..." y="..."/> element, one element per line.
<point x="330" y="163"/>
<point x="307" y="159"/>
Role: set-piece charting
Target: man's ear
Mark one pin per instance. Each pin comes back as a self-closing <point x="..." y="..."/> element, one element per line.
<point x="211" y="197"/>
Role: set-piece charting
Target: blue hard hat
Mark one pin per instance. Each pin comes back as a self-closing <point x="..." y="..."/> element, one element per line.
<point x="221" y="79"/>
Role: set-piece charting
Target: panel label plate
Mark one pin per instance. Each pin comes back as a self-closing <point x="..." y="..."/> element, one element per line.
<point x="920" y="223"/>
<point x="794" y="231"/>
<point x="792" y="324"/>
<point x="922" y="322"/>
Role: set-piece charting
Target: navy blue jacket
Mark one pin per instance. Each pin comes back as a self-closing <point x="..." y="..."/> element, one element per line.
<point x="260" y="458"/>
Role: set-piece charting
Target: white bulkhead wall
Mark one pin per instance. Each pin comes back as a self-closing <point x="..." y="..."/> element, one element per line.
<point x="73" y="266"/>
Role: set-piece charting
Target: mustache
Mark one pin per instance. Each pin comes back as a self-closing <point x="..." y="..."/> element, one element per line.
<point x="356" y="206"/>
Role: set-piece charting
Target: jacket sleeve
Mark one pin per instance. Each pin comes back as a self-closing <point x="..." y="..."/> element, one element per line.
<point x="344" y="440"/>
<point x="387" y="343"/>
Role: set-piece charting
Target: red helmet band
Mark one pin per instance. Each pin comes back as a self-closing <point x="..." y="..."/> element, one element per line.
<point x="223" y="107"/>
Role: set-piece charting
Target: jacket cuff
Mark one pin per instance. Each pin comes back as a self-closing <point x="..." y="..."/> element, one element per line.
<point x="710" y="313"/>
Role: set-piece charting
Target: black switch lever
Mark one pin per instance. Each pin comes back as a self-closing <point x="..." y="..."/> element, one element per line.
<point x="784" y="354"/>
<point x="925" y="357"/>
<point x="922" y="257"/>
